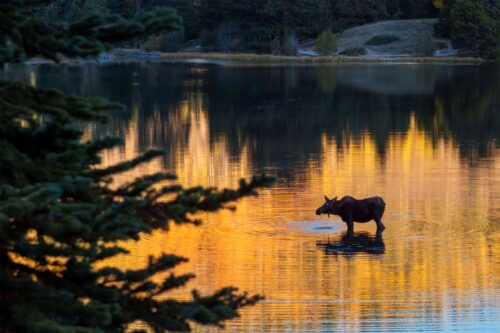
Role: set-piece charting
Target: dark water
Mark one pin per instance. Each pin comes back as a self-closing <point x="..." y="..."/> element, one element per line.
<point x="424" y="137"/>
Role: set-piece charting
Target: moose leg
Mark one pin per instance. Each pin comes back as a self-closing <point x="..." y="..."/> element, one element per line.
<point x="380" y="225"/>
<point x="350" y="228"/>
<point x="378" y="218"/>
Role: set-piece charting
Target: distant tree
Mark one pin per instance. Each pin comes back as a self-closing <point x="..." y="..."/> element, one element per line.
<point x="58" y="213"/>
<point x="255" y="24"/>
<point x="214" y="12"/>
<point x="326" y="42"/>
<point x="310" y="17"/>
<point x="472" y="29"/>
<point x="351" y="13"/>
<point x="187" y="9"/>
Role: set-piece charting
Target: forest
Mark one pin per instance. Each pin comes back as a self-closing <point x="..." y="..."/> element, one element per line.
<point x="276" y="26"/>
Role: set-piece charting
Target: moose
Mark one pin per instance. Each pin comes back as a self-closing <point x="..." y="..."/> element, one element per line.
<point x="352" y="210"/>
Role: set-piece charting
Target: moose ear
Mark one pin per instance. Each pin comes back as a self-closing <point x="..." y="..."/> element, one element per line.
<point x="326" y="199"/>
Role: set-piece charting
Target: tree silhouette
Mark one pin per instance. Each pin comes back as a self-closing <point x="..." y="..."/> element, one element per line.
<point x="59" y="214"/>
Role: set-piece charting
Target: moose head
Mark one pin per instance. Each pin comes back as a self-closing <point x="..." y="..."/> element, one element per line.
<point x="331" y="206"/>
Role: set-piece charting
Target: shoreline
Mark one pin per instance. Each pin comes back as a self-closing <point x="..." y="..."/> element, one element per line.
<point x="269" y="58"/>
<point x="131" y="55"/>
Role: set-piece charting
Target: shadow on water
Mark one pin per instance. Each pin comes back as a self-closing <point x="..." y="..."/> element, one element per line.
<point x="359" y="242"/>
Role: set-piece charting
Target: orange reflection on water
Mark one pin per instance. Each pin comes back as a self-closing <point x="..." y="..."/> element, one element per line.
<point x="441" y="252"/>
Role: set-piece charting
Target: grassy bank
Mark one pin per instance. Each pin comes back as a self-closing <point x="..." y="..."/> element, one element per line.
<point x="268" y="58"/>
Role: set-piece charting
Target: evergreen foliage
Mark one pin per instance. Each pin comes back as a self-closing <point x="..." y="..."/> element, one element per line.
<point x="59" y="215"/>
<point x="253" y="25"/>
<point x="473" y="26"/>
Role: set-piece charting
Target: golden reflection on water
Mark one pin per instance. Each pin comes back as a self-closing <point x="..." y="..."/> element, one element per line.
<point x="442" y="250"/>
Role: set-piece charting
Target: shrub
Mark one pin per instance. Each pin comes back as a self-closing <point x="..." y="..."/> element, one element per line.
<point x="326" y="42"/>
<point x="425" y="45"/>
<point x="382" y="40"/>
<point x="354" y="51"/>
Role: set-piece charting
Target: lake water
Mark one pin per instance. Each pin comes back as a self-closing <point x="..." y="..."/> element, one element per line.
<point x="424" y="137"/>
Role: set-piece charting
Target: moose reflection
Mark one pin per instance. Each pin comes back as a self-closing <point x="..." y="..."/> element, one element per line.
<point x="359" y="242"/>
<point x="352" y="210"/>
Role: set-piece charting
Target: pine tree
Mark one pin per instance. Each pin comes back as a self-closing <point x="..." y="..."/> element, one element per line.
<point x="473" y="26"/>
<point x="472" y="29"/>
<point x="58" y="213"/>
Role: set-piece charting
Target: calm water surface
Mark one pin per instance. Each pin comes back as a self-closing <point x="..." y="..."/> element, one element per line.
<point x="424" y="137"/>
